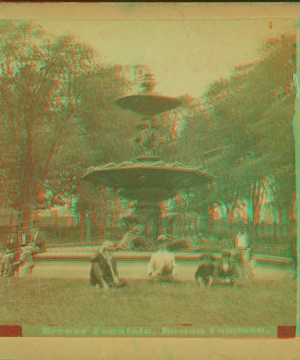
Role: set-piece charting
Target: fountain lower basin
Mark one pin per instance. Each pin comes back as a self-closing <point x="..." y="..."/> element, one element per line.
<point x="133" y="265"/>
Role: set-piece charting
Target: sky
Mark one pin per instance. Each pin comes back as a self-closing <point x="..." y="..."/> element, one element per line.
<point x="184" y="55"/>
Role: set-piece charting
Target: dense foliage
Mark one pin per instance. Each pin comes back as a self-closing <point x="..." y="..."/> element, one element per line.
<point x="58" y="117"/>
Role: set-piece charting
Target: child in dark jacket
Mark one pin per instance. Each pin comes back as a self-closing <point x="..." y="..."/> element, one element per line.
<point x="104" y="272"/>
<point x="205" y="272"/>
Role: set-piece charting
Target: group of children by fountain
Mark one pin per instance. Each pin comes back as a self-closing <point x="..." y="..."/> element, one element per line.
<point x="162" y="265"/>
<point x="22" y="245"/>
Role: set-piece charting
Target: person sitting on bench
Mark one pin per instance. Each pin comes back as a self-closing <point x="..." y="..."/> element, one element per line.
<point x="11" y="252"/>
<point x="226" y="273"/>
<point x="204" y="275"/>
<point x="104" y="273"/>
<point x="162" y="264"/>
<point x="35" y="246"/>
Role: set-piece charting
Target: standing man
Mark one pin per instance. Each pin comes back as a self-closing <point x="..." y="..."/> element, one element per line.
<point x="242" y="247"/>
<point x="294" y="254"/>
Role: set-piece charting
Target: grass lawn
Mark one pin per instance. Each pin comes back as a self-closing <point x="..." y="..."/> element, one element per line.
<point x="76" y="303"/>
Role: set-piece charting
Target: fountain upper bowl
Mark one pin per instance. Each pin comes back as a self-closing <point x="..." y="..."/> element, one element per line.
<point x="148" y="105"/>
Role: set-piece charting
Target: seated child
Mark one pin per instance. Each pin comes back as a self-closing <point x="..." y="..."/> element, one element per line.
<point x="226" y="273"/>
<point x="205" y="272"/>
<point x="104" y="272"/>
<point x="162" y="264"/>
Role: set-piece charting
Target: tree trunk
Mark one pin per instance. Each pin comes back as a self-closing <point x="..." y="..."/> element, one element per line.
<point x="224" y="219"/>
<point x="204" y="220"/>
<point x="27" y="202"/>
<point x="82" y="227"/>
<point x="10" y="214"/>
<point x="290" y="220"/>
<point x="280" y="223"/>
<point x="256" y="200"/>
<point x="27" y="217"/>
<point x="87" y="227"/>
<point x="230" y="213"/>
<point x="28" y="179"/>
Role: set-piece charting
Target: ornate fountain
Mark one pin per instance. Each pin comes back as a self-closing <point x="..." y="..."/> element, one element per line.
<point x="147" y="180"/>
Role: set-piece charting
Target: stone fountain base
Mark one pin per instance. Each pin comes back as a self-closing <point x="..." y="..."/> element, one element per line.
<point x="133" y="266"/>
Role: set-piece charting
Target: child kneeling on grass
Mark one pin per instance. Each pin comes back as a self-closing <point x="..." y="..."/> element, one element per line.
<point x="226" y="273"/>
<point x="104" y="272"/>
<point x="205" y="272"/>
<point x="162" y="265"/>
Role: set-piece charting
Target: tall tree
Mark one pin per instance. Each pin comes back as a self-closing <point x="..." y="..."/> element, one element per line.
<point x="42" y="97"/>
<point x="252" y="110"/>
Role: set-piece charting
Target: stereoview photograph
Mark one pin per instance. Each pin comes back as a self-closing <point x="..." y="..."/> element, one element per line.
<point x="148" y="178"/>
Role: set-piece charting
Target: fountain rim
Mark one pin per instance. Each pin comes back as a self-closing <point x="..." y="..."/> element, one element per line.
<point x="195" y="171"/>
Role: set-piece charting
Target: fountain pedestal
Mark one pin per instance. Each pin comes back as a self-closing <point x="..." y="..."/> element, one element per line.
<point x="149" y="216"/>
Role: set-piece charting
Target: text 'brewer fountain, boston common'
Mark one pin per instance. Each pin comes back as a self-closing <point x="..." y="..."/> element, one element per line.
<point x="147" y="180"/>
